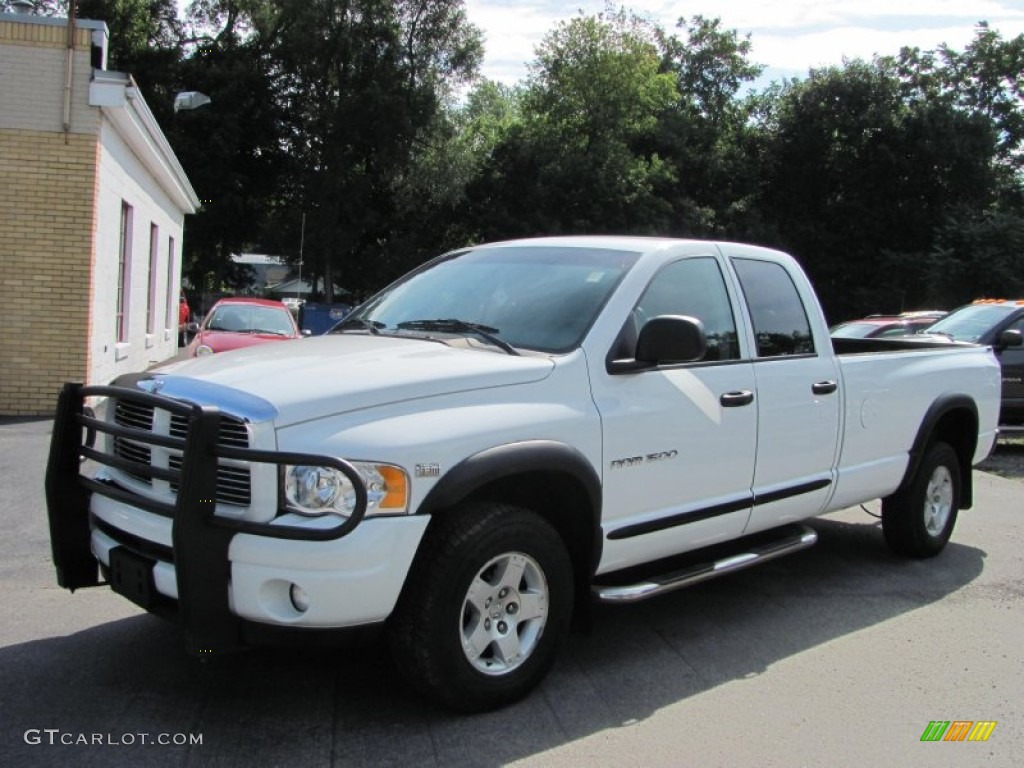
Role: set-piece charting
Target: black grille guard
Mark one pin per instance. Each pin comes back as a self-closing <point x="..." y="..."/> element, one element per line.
<point x="200" y="538"/>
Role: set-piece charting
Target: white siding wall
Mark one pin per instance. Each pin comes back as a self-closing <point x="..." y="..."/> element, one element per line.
<point x="122" y="179"/>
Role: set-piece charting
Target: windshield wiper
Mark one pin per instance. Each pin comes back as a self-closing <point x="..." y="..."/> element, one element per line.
<point x="452" y="325"/>
<point x="358" y="323"/>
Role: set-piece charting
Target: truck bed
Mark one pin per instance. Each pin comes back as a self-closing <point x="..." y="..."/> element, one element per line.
<point x="843" y="346"/>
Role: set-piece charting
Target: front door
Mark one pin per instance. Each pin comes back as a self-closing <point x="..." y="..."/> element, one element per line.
<point x="679" y="440"/>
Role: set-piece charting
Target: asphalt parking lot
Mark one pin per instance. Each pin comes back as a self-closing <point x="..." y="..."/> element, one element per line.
<point x="837" y="656"/>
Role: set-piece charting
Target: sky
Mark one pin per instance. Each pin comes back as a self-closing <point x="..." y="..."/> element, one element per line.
<point x="787" y="36"/>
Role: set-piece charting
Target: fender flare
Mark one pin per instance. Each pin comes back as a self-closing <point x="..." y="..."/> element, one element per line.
<point x="925" y="434"/>
<point x="502" y="461"/>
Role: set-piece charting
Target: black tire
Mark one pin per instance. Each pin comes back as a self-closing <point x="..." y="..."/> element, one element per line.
<point x="918" y="521"/>
<point x="490" y="581"/>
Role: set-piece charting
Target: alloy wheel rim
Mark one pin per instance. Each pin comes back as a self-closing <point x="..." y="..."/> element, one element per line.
<point x="938" y="503"/>
<point x="503" y="614"/>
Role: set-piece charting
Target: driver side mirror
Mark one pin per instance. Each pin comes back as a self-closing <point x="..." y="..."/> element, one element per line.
<point x="665" y="339"/>
<point x="192" y="327"/>
<point x="1009" y="339"/>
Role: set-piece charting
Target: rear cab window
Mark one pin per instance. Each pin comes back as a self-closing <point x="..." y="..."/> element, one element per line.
<point x="777" y="312"/>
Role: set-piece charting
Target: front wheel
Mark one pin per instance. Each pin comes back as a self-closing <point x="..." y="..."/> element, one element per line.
<point x="485" y="607"/>
<point x="918" y="521"/>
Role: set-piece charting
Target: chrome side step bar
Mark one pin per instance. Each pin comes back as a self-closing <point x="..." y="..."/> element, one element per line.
<point x="796" y="538"/>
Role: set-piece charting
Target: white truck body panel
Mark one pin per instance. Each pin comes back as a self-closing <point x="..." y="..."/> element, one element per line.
<point x="887" y="396"/>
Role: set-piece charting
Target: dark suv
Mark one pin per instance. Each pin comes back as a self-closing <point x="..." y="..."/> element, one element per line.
<point x="997" y="323"/>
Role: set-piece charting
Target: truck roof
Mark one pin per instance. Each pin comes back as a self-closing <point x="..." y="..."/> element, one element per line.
<point x="639" y="244"/>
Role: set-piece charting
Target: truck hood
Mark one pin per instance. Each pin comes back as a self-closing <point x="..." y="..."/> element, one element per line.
<point x="326" y="375"/>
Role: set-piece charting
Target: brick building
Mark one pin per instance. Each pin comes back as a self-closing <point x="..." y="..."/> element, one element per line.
<point x="94" y="207"/>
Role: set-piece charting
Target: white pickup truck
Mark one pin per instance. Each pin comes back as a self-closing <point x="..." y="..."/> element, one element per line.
<point x="497" y="439"/>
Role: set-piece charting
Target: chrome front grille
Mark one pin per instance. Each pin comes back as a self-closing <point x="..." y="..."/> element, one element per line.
<point x="234" y="484"/>
<point x="234" y="478"/>
<point x="129" y="414"/>
<point x="233" y="432"/>
<point x="136" y="453"/>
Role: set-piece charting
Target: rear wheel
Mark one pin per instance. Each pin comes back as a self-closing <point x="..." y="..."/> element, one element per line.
<point x="485" y="607"/>
<point x="918" y="521"/>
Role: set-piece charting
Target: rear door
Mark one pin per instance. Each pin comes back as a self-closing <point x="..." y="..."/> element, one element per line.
<point x="798" y="398"/>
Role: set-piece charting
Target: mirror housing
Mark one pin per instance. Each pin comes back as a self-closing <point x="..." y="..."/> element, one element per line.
<point x="192" y="327"/>
<point x="666" y="339"/>
<point x="1009" y="339"/>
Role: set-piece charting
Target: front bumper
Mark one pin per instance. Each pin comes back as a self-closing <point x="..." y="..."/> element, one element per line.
<point x="350" y="581"/>
<point x="208" y="572"/>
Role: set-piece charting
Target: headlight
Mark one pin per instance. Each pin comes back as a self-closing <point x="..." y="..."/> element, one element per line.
<point x="202" y="350"/>
<point x="316" y="490"/>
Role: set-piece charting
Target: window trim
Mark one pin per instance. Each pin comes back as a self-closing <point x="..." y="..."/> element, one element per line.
<point x="154" y="260"/>
<point x="171" y="321"/>
<point x="122" y="307"/>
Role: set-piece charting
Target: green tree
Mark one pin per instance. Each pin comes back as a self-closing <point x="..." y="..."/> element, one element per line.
<point x="986" y="78"/>
<point x="432" y="203"/>
<point x="139" y="30"/>
<point x="232" y="151"/>
<point x="361" y="84"/>
<point x="574" y="162"/>
<point x="859" y="178"/>
<point x="976" y="255"/>
<point x="974" y="244"/>
<point x="710" y="136"/>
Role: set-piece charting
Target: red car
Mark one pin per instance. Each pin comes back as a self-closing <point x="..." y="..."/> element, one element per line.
<point x="242" y="322"/>
<point x="881" y="326"/>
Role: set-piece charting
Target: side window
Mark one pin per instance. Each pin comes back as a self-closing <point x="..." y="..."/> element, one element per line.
<point x="776" y="310"/>
<point x="693" y="287"/>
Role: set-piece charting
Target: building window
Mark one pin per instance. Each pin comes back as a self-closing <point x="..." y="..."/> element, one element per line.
<point x="124" y="264"/>
<point x="154" y="242"/>
<point x="172" y="292"/>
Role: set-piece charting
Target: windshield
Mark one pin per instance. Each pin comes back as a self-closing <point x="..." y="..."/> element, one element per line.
<point x="250" y="318"/>
<point x="970" y="323"/>
<point x="534" y="297"/>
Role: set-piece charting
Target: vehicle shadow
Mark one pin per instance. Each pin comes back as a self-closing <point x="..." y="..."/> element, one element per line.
<point x="1007" y="459"/>
<point x="332" y="707"/>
